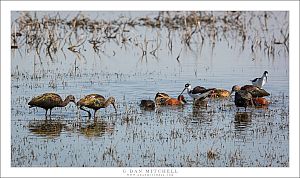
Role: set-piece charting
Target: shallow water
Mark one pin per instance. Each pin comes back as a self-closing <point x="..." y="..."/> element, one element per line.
<point x="216" y="134"/>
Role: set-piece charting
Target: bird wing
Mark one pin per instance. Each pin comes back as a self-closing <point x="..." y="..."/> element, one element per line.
<point x="91" y="100"/>
<point x="95" y="96"/>
<point x="52" y="97"/>
<point x="198" y="89"/>
<point x="259" y="92"/>
<point x="255" y="91"/>
<point x="221" y="92"/>
<point x="245" y="94"/>
<point x="204" y="95"/>
<point x="255" y="80"/>
<point x="46" y="100"/>
<point x="161" y="101"/>
<point x="161" y="95"/>
<point x="248" y="87"/>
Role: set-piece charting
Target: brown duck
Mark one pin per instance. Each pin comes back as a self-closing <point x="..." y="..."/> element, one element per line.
<point x="179" y="101"/>
<point x="95" y="102"/>
<point x="249" y="95"/>
<point x="242" y="98"/>
<point x="220" y="93"/>
<point x="161" y="98"/>
<point x="261" y="102"/>
<point x="147" y="104"/>
<point x="254" y="90"/>
<point x="50" y="101"/>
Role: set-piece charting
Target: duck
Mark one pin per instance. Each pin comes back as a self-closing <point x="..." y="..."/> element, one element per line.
<point x="260" y="102"/>
<point x="49" y="101"/>
<point x="162" y="95"/>
<point x="220" y="93"/>
<point x="165" y="99"/>
<point x="95" y="102"/>
<point x="254" y="90"/>
<point x="176" y="101"/>
<point x="197" y="93"/>
<point x="161" y="98"/>
<point x="147" y="104"/>
<point x="260" y="82"/>
<point x="242" y="98"/>
<point x="257" y="94"/>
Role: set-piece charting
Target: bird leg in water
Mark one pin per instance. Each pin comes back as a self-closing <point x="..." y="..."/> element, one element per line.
<point x="86" y="111"/>
<point x="95" y="114"/>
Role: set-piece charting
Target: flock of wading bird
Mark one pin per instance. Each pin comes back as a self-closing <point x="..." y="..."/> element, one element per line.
<point x="248" y="95"/>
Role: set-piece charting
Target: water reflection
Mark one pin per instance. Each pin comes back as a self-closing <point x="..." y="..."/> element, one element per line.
<point x="46" y="128"/>
<point x="199" y="113"/>
<point x="96" y="128"/>
<point x="242" y="120"/>
<point x="198" y="104"/>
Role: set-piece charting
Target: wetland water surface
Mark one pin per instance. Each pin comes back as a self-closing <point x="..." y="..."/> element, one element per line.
<point x="132" y="56"/>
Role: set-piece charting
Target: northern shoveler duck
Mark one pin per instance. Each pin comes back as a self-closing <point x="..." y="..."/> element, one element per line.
<point x="254" y="90"/>
<point x="147" y="104"/>
<point x="197" y="93"/>
<point x="95" y="102"/>
<point x="50" y="101"/>
<point x="242" y="98"/>
<point x="176" y="102"/>
<point x="260" y="82"/>
<point x="220" y="93"/>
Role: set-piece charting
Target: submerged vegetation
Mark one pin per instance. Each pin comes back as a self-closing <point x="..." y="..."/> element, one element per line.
<point x="50" y="34"/>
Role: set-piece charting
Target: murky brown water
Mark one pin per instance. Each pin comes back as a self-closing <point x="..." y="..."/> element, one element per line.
<point x="216" y="135"/>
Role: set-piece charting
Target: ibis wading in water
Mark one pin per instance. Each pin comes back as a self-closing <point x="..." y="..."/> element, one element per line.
<point x="50" y="101"/>
<point x="95" y="102"/>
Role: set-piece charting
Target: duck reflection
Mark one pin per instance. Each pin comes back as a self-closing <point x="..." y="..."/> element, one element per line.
<point x="199" y="106"/>
<point x="242" y="120"/>
<point x="96" y="128"/>
<point x="46" y="128"/>
<point x="200" y="113"/>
